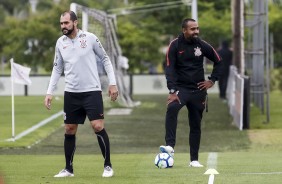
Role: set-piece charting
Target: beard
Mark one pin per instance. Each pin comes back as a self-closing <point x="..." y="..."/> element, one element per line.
<point x="193" y="38"/>
<point x="67" y="31"/>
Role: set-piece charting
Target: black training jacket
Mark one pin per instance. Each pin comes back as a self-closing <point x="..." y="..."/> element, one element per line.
<point x="184" y="63"/>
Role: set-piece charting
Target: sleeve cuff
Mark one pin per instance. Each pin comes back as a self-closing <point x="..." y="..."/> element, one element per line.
<point x="211" y="79"/>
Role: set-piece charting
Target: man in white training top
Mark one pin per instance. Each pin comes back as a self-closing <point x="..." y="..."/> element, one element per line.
<point x="76" y="55"/>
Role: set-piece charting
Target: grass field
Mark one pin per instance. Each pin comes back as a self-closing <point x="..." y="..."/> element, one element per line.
<point x="29" y="111"/>
<point x="233" y="168"/>
<point x="249" y="156"/>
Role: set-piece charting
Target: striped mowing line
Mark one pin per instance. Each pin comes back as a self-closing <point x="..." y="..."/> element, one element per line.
<point x="212" y="160"/>
<point x="38" y="125"/>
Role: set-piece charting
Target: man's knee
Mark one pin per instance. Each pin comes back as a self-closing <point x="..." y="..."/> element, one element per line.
<point x="173" y="107"/>
<point x="97" y="125"/>
<point x="70" y="129"/>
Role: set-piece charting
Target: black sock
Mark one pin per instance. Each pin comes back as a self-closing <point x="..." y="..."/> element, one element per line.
<point x="69" y="146"/>
<point x="104" y="144"/>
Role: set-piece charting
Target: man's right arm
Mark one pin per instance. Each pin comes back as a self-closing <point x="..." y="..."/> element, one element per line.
<point x="57" y="71"/>
<point x="58" y="67"/>
<point x="170" y="72"/>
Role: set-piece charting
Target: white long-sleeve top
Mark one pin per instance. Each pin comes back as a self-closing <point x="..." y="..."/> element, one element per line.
<point x="77" y="58"/>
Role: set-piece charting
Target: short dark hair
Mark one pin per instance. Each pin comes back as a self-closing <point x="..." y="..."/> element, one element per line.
<point x="73" y="16"/>
<point x="185" y="22"/>
<point x="225" y="44"/>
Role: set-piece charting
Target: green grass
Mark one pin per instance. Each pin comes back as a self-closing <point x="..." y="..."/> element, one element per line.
<point x="143" y="130"/>
<point x="29" y="111"/>
<point x="258" y="119"/>
<point x="233" y="168"/>
<point x="249" y="156"/>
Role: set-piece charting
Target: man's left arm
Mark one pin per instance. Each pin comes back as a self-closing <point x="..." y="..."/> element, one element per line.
<point x="104" y="58"/>
<point x="213" y="56"/>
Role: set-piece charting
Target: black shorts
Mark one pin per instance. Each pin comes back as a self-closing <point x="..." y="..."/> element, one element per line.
<point x="78" y="105"/>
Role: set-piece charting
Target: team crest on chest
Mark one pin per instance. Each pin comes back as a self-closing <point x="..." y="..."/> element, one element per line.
<point x="83" y="43"/>
<point x="198" y="51"/>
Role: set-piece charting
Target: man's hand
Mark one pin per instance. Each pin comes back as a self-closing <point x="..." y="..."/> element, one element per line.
<point x="47" y="101"/>
<point x="205" y="85"/>
<point x="172" y="97"/>
<point x="113" y="92"/>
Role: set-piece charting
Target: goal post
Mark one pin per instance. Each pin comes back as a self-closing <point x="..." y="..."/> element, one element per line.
<point x="103" y="26"/>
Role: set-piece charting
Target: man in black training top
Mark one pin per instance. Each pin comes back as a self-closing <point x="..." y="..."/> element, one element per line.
<point x="187" y="85"/>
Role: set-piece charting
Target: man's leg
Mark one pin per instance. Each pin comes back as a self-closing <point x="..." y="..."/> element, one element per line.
<point x="103" y="140"/>
<point x="74" y="115"/>
<point x="69" y="145"/>
<point x="69" y="148"/>
<point x="224" y="86"/>
<point x="171" y="122"/>
<point x="195" y="118"/>
<point x="104" y="143"/>
<point x="221" y="88"/>
<point x="195" y="107"/>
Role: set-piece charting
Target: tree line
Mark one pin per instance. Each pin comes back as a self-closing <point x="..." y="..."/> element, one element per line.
<point x="30" y="37"/>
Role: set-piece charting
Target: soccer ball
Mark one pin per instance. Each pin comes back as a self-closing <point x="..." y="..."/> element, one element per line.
<point x="164" y="160"/>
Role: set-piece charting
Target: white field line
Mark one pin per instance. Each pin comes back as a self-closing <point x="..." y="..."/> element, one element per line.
<point x="211" y="164"/>
<point x="211" y="179"/>
<point x="38" y="125"/>
<point x="120" y="111"/>
<point x="212" y="160"/>
<point x="265" y="173"/>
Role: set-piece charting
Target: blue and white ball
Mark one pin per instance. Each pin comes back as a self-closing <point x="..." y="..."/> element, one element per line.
<point x="164" y="160"/>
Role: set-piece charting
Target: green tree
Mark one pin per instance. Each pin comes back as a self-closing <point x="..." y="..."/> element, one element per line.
<point x="141" y="46"/>
<point x="12" y="7"/>
<point x="275" y="27"/>
<point x="141" y="35"/>
<point x="31" y="40"/>
<point x="215" y="26"/>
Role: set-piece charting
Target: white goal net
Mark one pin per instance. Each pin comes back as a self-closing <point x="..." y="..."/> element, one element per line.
<point x="103" y="26"/>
